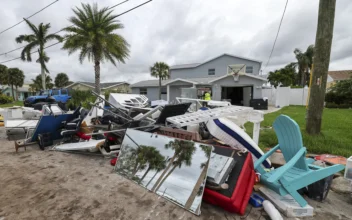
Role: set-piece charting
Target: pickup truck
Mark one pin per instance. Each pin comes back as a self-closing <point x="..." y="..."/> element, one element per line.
<point x="60" y="96"/>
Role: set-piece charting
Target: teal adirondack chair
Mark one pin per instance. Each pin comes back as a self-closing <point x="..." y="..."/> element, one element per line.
<point x="298" y="171"/>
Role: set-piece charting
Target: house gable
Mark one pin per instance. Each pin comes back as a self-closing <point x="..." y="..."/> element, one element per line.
<point x="214" y="67"/>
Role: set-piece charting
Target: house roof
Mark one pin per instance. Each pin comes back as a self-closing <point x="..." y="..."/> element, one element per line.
<point x="246" y="74"/>
<point x="193" y="65"/>
<point x="153" y="83"/>
<point x="196" y="81"/>
<point x="340" y="74"/>
<point x="24" y="88"/>
<point x="102" y="85"/>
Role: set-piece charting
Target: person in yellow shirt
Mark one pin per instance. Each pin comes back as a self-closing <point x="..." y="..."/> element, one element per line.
<point x="207" y="97"/>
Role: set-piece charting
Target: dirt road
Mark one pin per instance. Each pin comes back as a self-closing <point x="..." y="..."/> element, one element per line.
<point x="38" y="184"/>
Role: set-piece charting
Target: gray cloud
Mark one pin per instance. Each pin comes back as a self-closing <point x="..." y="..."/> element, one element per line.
<point x="178" y="32"/>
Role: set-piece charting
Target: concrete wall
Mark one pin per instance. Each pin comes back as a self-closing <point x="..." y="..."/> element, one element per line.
<point x="220" y="65"/>
<point x="152" y="93"/>
<point x="175" y="91"/>
<point x="243" y="81"/>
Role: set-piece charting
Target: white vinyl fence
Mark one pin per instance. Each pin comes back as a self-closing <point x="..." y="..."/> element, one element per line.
<point x="284" y="96"/>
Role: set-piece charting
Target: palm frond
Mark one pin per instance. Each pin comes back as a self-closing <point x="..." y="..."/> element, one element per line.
<point x="32" y="26"/>
<point x="54" y="37"/>
<point x="26" y="52"/>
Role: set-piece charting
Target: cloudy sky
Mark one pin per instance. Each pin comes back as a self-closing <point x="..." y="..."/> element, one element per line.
<point x="187" y="31"/>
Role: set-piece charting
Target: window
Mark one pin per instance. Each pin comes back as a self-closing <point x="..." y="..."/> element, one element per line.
<point x="55" y="92"/>
<point x="143" y="91"/>
<point x="249" y="69"/>
<point x="211" y="72"/>
<point x="8" y="94"/>
<point x="163" y="91"/>
<point x="63" y="91"/>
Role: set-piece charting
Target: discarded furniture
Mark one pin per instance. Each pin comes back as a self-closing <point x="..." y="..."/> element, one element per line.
<point x="231" y="134"/>
<point x="178" y="133"/>
<point x="229" y="111"/>
<point x="47" y="124"/>
<point x="241" y="180"/>
<point x="298" y="172"/>
<point x="171" y="111"/>
<point x="126" y="101"/>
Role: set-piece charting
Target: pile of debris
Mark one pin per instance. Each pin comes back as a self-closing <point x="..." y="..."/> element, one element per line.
<point x="185" y="153"/>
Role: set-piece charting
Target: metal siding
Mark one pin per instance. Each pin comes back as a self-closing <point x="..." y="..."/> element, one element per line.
<point x="220" y="66"/>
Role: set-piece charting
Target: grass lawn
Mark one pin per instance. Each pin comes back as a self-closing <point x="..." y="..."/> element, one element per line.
<point x="16" y="103"/>
<point x="335" y="138"/>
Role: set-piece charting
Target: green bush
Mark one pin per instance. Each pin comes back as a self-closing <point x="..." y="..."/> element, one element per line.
<point x="340" y="94"/>
<point x="80" y="97"/>
<point x="334" y="105"/>
<point x="4" y="99"/>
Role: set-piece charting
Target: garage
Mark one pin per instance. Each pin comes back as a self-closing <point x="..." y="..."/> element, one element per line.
<point x="237" y="95"/>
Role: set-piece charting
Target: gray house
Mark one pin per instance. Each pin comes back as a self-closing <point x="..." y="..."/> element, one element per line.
<point x="211" y="75"/>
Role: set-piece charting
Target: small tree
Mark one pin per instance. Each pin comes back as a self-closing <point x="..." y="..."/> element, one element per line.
<point x="38" y="38"/>
<point x="61" y="80"/>
<point x="304" y="62"/>
<point x="160" y="70"/>
<point x="17" y="78"/>
<point x="284" y="76"/>
<point x="3" y="75"/>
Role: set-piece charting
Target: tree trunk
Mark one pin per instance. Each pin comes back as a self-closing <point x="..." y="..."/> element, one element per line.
<point x="135" y="169"/>
<point x="163" y="173"/>
<point x="168" y="174"/>
<point x="302" y="78"/>
<point x="16" y="93"/>
<point x="144" y="175"/>
<point x="43" y="77"/>
<point x="319" y="76"/>
<point x="159" y="88"/>
<point x="13" y="94"/>
<point x="156" y="172"/>
<point x="97" y="77"/>
<point x="199" y="183"/>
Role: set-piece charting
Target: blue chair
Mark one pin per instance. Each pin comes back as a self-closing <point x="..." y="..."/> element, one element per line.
<point x="298" y="171"/>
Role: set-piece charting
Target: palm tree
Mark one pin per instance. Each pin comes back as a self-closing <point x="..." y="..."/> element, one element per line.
<point x="304" y="62"/>
<point x="3" y="75"/>
<point x="93" y="35"/>
<point x="139" y="157"/>
<point x="38" y="38"/>
<point x="184" y="151"/>
<point x="160" y="70"/>
<point x="203" y="175"/>
<point x="17" y="78"/>
<point x="37" y="84"/>
<point x="11" y="79"/>
<point x="61" y="80"/>
<point x="155" y="161"/>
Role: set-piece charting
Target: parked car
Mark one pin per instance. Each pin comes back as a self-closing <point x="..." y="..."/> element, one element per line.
<point x="60" y="96"/>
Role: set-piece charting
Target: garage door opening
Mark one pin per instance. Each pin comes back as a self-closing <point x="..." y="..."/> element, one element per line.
<point x="237" y="95"/>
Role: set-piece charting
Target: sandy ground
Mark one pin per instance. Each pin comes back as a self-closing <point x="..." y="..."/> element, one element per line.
<point x="38" y="184"/>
